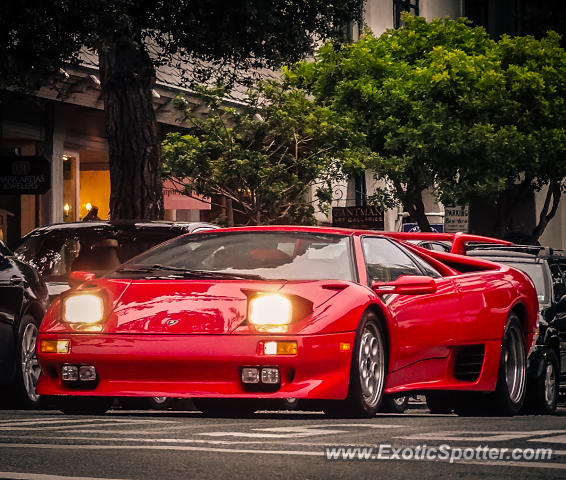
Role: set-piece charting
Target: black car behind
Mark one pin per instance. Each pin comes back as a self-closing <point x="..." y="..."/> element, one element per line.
<point x="98" y="247"/>
<point x="23" y="300"/>
<point x="547" y="357"/>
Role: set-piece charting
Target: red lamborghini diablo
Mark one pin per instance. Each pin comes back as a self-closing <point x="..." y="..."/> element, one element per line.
<point x="233" y="316"/>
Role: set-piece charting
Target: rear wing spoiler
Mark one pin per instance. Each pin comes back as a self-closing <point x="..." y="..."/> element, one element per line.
<point x="458" y="240"/>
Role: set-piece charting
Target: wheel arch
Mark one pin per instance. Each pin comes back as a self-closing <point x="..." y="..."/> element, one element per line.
<point x="35" y="310"/>
<point x="376" y="309"/>
<point x="520" y="310"/>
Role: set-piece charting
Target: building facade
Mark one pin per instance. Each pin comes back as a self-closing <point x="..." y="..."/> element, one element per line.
<point x="65" y="124"/>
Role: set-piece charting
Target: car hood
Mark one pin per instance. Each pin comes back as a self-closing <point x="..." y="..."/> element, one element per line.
<point x="199" y="306"/>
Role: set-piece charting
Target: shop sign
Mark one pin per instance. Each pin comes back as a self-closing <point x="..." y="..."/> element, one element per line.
<point x="456" y="219"/>
<point x="24" y="175"/>
<point x="358" y="217"/>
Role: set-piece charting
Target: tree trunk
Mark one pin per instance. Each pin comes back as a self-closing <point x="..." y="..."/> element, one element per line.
<point x="547" y="213"/>
<point x="413" y="203"/>
<point x="127" y="77"/>
<point x="229" y="212"/>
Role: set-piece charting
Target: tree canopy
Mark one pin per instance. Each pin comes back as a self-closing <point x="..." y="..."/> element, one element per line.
<point x="132" y="38"/>
<point x="447" y="108"/>
<point x="266" y="158"/>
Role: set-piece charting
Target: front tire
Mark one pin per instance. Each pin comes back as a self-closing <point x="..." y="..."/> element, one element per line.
<point x="367" y="373"/>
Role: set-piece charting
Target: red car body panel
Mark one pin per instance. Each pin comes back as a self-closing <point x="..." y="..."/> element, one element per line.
<point x="202" y="365"/>
<point x="458" y="240"/>
<point x="190" y="338"/>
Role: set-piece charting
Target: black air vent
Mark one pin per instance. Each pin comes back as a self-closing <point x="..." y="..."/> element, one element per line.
<point x="469" y="361"/>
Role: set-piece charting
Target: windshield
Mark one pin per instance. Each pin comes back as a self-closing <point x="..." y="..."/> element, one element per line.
<point x="260" y="255"/>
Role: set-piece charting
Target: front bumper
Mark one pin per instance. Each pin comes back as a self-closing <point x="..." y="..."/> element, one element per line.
<point x="197" y="365"/>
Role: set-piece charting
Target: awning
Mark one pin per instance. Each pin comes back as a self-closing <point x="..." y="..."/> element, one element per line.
<point x="173" y="200"/>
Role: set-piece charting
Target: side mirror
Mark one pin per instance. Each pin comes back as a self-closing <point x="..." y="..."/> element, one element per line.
<point x="561" y="305"/>
<point x="78" y="278"/>
<point x="406" y="285"/>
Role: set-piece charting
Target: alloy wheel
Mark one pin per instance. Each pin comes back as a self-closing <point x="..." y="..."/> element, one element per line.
<point x="515" y="365"/>
<point x="549" y="384"/>
<point x="29" y="364"/>
<point x="371" y="361"/>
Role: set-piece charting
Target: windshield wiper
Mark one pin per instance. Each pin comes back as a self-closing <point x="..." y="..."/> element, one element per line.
<point x="191" y="273"/>
<point x="135" y="269"/>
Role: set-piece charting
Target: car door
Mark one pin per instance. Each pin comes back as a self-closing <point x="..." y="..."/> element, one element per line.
<point x="425" y="326"/>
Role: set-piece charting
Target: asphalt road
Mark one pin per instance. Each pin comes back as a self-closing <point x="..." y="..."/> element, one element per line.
<point x="43" y="445"/>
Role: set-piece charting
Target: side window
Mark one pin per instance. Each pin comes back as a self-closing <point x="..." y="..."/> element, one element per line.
<point x="558" y="285"/>
<point x="428" y="269"/>
<point x="385" y="261"/>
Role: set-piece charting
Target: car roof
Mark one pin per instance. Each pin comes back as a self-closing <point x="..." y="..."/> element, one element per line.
<point x="305" y="229"/>
<point x="133" y="224"/>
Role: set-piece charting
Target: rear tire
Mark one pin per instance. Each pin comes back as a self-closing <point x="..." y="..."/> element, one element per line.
<point x="511" y="389"/>
<point x="395" y="404"/>
<point x="367" y="373"/>
<point x="290" y="403"/>
<point x="161" y="403"/>
<point x="146" y="403"/>
<point x="84" y="405"/>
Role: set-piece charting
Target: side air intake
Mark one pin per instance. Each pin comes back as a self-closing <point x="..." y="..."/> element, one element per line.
<point x="469" y="362"/>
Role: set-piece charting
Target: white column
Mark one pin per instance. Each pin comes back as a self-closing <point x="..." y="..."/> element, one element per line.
<point x="59" y="131"/>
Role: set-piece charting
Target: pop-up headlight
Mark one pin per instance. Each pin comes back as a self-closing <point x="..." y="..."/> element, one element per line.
<point x="83" y="309"/>
<point x="270" y="312"/>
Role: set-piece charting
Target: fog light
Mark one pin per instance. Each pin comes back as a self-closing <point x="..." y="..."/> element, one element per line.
<point x="277" y="348"/>
<point x="87" y="373"/>
<point x="69" y="373"/>
<point x="270" y="375"/>
<point x="54" y="346"/>
<point x="250" y="375"/>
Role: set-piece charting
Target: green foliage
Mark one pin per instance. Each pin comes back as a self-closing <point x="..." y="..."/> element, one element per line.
<point x="38" y="38"/>
<point x="265" y="156"/>
<point x="445" y="107"/>
<point x="198" y="39"/>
